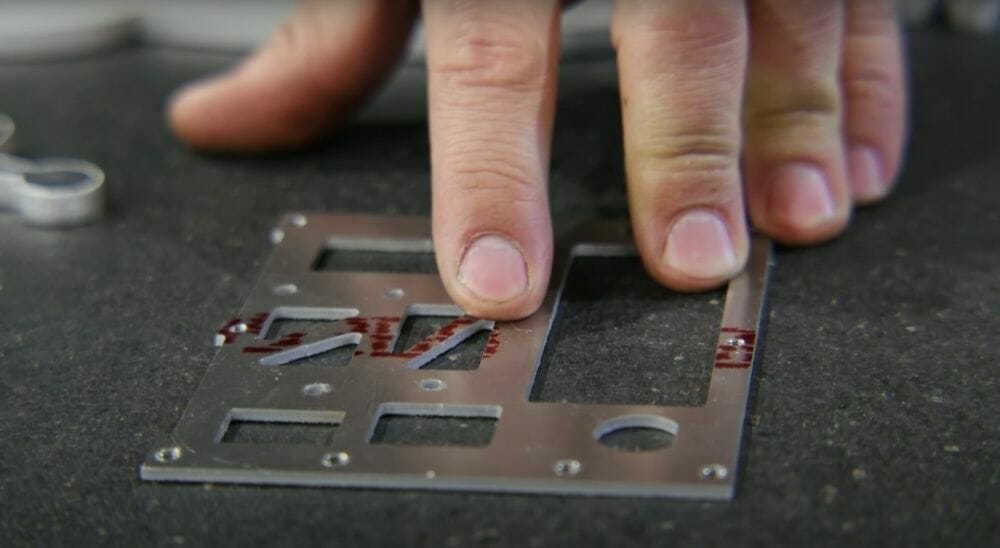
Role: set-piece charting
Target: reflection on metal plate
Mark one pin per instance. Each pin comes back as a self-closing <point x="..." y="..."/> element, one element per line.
<point x="336" y="418"/>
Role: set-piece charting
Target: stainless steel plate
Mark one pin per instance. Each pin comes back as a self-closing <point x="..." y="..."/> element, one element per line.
<point x="258" y="378"/>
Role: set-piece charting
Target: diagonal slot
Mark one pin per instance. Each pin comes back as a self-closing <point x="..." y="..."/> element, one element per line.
<point x="338" y="349"/>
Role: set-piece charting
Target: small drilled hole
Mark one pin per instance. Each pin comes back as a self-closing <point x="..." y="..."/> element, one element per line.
<point x="714" y="471"/>
<point x="168" y="454"/>
<point x="298" y="220"/>
<point x="238" y="328"/>
<point x="433" y="385"/>
<point x="277" y="235"/>
<point x="285" y="289"/>
<point x="395" y="293"/>
<point x="316" y="389"/>
<point x="567" y="467"/>
<point x="331" y="460"/>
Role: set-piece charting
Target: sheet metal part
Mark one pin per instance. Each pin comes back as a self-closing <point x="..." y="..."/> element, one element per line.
<point x="49" y="192"/>
<point x="535" y="447"/>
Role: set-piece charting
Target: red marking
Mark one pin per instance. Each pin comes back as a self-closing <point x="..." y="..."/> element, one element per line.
<point x="492" y="345"/>
<point x="227" y="330"/>
<point x="381" y="330"/>
<point x="259" y="349"/>
<point x="736" y="356"/>
<point x="358" y="325"/>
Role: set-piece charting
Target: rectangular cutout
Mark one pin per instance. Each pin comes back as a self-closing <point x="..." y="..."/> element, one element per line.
<point x="435" y="425"/>
<point x="395" y="262"/>
<point x="258" y="428"/>
<point x="619" y="338"/>
<point x="417" y="332"/>
<point x="437" y="431"/>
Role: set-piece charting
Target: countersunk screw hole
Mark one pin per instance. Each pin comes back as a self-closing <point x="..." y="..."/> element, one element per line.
<point x="331" y="460"/>
<point x="316" y="389"/>
<point x="298" y="220"/>
<point x="714" y="471"/>
<point x="567" y="467"/>
<point x="277" y="235"/>
<point x="395" y="293"/>
<point x="168" y="454"/>
<point x="433" y="385"/>
<point x="285" y="289"/>
<point x="736" y="341"/>
<point x="238" y="328"/>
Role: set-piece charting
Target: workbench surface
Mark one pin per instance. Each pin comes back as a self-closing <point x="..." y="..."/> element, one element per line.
<point x="874" y="414"/>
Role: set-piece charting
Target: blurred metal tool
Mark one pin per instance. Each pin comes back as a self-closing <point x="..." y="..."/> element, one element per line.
<point x="51" y="192"/>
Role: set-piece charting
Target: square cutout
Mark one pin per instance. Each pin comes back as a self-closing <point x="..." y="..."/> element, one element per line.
<point x="448" y="426"/>
<point x="619" y="338"/>
<point x="253" y="426"/>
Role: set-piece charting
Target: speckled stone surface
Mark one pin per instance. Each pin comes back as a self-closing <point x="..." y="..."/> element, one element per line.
<point x="874" y="415"/>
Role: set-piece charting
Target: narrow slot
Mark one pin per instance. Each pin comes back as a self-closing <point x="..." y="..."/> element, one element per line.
<point x="619" y="338"/>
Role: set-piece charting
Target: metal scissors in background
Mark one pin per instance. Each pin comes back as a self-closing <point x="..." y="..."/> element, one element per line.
<point x="51" y="192"/>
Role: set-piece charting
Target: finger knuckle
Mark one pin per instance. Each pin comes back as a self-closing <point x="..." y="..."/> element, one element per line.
<point x="816" y="106"/>
<point x="502" y="179"/>
<point x="492" y="54"/>
<point x="691" y="167"/>
<point x="688" y="153"/>
<point x="706" y="31"/>
<point x="874" y="88"/>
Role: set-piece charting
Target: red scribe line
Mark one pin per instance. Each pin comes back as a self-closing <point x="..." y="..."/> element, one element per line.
<point x="382" y="336"/>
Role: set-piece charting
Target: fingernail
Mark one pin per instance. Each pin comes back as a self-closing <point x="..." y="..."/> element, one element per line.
<point x="493" y="269"/>
<point x="699" y="245"/>
<point x="798" y="195"/>
<point x="865" y="166"/>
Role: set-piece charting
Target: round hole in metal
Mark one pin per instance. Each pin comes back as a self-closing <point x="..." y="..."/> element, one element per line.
<point x="635" y="433"/>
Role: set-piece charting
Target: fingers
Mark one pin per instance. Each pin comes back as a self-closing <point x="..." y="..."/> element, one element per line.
<point x="875" y="97"/>
<point x="316" y="67"/>
<point x="492" y="78"/>
<point x="794" y="167"/>
<point x="681" y="67"/>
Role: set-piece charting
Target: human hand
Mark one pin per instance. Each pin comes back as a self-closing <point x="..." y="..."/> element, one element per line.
<point x="797" y="105"/>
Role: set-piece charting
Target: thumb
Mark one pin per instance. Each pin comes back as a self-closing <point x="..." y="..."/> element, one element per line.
<point x="316" y="67"/>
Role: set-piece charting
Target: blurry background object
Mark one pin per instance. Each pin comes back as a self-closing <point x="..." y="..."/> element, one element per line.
<point x="58" y="29"/>
<point x="6" y="133"/>
<point x="973" y="16"/>
<point x="32" y="31"/>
